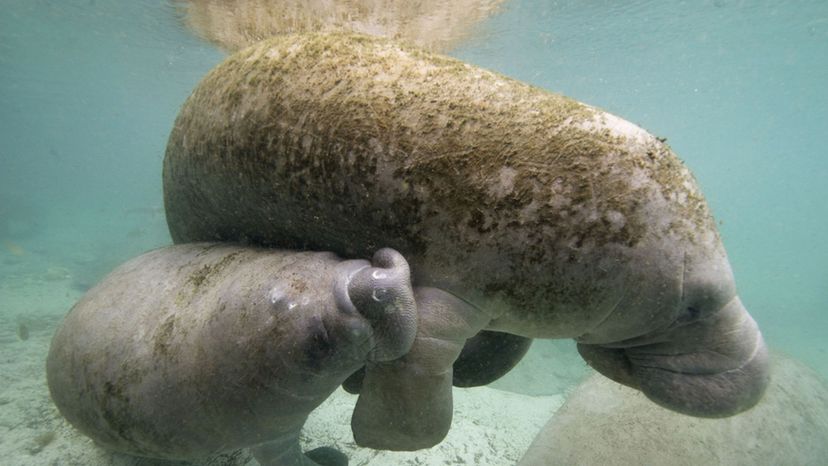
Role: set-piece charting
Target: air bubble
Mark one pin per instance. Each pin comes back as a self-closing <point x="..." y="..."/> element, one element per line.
<point x="277" y="293"/>
<point x="379" y="275"/>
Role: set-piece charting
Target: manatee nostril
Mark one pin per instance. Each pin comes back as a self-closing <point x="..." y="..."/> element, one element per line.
<point x="319" y="346"/>
<point x="380" y="294"/>
<point x="319" y="331"/>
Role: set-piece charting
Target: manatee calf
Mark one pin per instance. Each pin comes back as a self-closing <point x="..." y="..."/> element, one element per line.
<point x="196" y="349"/>
<point x="518" y="210"/>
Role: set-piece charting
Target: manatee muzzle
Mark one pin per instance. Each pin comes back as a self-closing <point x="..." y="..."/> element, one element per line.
<point x="381" y="292"/>
<point x="711" y="367"/>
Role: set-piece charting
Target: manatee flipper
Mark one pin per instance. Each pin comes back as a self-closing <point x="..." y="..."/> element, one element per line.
<point x="488" y="356"/>
<point x="353" y="384"/>
<point x="406" y="404"/>
<point x="485" y="357"/>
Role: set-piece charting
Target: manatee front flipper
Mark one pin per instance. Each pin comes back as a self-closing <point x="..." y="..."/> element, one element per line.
<point x="714" y="366"/>
<point x="488" y="356"/>
<point x="353" y="384"/>
<point x="485" y="357"/>
<point x="406" y="404"/>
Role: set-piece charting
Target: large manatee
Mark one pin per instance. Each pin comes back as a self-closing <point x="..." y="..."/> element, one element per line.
<point x="196" y="349"/>
<point x="519" y="211"/>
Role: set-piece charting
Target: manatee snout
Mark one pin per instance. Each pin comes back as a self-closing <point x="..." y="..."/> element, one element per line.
<point x="381" y="292"/>
<point x="713" y="365"/>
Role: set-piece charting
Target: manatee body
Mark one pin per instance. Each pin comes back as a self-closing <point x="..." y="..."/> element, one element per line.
<point x="543" y="216"/>
<point x="196" y="349"/>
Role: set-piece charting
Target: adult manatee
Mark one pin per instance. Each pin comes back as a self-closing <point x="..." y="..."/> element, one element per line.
<point x="191" y="350"/>
<point x="519" y="211"/>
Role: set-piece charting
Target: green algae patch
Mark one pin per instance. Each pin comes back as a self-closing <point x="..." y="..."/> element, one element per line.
<point x="348" y="143"/>
<point x="205" y="272"/>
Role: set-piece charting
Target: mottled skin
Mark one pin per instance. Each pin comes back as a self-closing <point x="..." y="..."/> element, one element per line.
<point x="519" y="211"/>
<point x="196" y="349"/>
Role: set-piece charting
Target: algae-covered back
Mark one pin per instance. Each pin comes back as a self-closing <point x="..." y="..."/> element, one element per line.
<point x="492" y="188"/>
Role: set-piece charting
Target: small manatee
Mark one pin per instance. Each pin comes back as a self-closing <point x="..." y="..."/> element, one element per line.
<point x="192" y="350"/>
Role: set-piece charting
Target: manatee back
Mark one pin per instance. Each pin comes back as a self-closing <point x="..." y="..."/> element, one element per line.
<point x="515" y="198"/>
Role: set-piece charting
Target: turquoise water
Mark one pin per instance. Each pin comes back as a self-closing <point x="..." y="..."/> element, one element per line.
<point x="89" y="90"/>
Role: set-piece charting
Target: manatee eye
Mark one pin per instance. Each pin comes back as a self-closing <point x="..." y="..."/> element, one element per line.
<point x="319" y="346"/>
<point x="690" y="314"/>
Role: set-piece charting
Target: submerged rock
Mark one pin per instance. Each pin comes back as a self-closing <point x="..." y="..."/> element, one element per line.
<point x="609" y="424"/>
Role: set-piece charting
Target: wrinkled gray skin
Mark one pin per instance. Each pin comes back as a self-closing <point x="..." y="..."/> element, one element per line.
<point x="519" y="211"/>
<point x="196" y="349"/>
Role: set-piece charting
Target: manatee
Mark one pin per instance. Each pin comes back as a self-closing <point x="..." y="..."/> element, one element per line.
<point x="192" y="350"/>
<point x="518" y="210"/>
